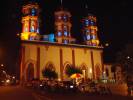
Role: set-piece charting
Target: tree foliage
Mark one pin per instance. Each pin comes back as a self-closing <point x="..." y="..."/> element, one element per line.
<point x="49" y="73"/>
<point x="72" y="70"/>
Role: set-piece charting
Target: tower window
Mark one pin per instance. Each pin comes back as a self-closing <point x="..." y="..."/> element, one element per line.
<point x="65" y="18"/>
<point x="88" y="37"/>
<point x="59" y="33"/>
<point x="92" y="23"/>
<point x="37" y="30"/>
<point x="26" y="29"/>
<point x="33" y="12"/>
<point x="32" y="26"/>
<point x="65" y="27"/>
<point x="87" y="31"/>
<point x="65" y="33"/>
<point x="86" y="22"/>
<point x="65" y="41"/>
<point x="93" y="37"/>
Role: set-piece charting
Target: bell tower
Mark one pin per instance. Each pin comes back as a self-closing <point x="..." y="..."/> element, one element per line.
<point x="89" y="30"/>
<point x="63" y="26"/>
<point x="30" y="22"/>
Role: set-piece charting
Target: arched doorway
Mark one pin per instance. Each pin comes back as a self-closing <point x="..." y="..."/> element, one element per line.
<point x="30" y="72"/>
<point x="66" y="70"/>
<point x="98" y="72"/>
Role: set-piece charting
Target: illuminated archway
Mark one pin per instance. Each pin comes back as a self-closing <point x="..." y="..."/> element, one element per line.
<point x="66" y="66"/>
<point x="30" y="72"/>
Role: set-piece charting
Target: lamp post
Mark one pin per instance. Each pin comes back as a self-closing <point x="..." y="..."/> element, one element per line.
<point x="1" y="66"/>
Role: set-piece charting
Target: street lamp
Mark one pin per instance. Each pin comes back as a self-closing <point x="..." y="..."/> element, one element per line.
<point x="2" y="65"/>
<point x="107" y="44"/>
<point x="128" y="57"/>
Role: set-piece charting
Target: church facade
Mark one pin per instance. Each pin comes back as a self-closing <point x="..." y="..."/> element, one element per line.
<point x="59" y="50"/>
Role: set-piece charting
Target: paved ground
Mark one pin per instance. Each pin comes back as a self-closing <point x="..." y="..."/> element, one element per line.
<point x="19" y="93"/>
<point x="87" y="96"/>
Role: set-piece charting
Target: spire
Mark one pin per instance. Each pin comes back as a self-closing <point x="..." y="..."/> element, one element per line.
<point x="61" y="2"/>
<point x="88" y="11"/>
<point x="86" y="6"/>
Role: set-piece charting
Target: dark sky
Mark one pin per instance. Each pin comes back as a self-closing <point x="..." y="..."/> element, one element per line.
<point x="114" y="19"/>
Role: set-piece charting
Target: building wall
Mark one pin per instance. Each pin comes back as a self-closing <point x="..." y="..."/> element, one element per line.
<point x="107" y="67"/>
<point x="60" y="56"/>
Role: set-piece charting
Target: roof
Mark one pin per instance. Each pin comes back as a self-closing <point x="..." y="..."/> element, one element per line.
<point x="61" y="44"/>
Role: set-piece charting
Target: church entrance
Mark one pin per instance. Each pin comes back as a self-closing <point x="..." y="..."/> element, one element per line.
<point x="30" y="72"/>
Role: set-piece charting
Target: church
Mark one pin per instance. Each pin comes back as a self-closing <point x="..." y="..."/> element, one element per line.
<point x="59" y="50"/>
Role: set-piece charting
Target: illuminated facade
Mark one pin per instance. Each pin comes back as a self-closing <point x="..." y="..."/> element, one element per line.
<point x="30" y="22"/>
<point x="89" y="30"/>
<point x="39" y="54"/>
<point x="63" y="26"/>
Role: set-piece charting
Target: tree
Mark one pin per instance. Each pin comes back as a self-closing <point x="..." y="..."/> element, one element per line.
<point x="125" y="58"/>
<point x="72" y="70"/>
<point x="49" y="73"/>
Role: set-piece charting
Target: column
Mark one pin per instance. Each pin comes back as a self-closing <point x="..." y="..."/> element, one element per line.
<point x="61" y="64"/>
<point x="38" y="63"/>
<point x="92" y="62"/>
<point x="73" y="57"/>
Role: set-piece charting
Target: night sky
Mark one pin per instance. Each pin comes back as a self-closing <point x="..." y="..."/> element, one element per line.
<point x="114" y="20"/>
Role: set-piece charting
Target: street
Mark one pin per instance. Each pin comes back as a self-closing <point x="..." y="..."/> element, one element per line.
<point x="16" y="93"/>
<point x="19" y="93"/>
